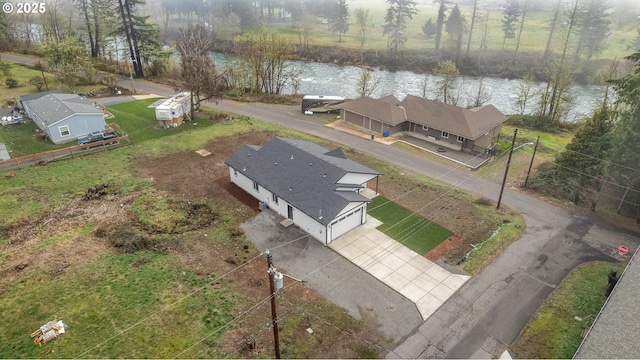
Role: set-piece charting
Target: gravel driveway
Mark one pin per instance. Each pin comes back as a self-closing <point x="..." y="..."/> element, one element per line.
<point x="334" y="277"/>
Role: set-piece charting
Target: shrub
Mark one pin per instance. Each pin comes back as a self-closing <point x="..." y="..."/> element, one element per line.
<point x="5" y="67"/>
<point x="11" y="83"/>
<point x="37" y="82"/>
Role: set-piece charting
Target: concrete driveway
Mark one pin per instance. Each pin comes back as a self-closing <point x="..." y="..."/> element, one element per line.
<point x="426" y="284"/>
<point x="366" y="298"/>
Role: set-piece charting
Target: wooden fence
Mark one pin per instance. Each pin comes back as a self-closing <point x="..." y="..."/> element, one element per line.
<point x="72" y="151"/>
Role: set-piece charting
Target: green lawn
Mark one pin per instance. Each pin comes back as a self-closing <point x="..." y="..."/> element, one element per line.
<point x="412" y="230"/>
<point x="20" y="140"/>
<point x="554" y="332"/>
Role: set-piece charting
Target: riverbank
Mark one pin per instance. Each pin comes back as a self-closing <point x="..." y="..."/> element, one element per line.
<point x="488" y="63"/>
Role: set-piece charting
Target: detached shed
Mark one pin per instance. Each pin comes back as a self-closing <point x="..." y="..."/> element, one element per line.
<point x="173" y="111"/>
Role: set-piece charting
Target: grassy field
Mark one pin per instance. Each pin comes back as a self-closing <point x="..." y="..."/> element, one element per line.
<point x="408" y="228"/>
<point x="554" y="332"/>
<point x="534" y="36"/>
<point x="133" y="275"/>
<point x="22" y="74"/>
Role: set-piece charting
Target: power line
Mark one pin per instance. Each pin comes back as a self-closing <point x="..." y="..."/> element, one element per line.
<point x="604" y="160"/>
<point x="184" y="297"/>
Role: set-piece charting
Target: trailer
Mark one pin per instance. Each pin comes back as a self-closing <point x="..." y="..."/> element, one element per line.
<point x="320" y="103"/>
<point x="174" y="111"/>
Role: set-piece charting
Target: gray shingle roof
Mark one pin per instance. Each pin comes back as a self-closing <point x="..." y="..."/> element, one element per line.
<point x="469" y="123"/>
<point x="30" y="97"/>
<point x="613" y="334"/>
<point x="55" y="107"/>
<point x="302" y="173"/>
<point x="384" y="111"/>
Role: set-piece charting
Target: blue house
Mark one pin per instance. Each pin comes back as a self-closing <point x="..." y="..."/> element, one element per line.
<point x="64" y="117"/>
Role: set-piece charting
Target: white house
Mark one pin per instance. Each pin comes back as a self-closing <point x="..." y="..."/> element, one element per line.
<point x="318" y="189"/>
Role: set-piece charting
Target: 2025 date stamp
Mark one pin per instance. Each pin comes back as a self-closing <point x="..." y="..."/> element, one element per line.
<point x="24" y="8"/>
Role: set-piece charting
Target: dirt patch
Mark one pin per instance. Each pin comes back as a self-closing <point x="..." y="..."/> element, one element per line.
<point x="454" y="241"/>
<point x="209" y="252"/>
<point x="190" y="175"/>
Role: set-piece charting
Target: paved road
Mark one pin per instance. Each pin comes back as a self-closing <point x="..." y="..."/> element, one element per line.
<point x="487" y="314"/>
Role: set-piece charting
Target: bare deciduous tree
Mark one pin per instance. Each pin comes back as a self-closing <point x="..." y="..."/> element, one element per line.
<point x="198" y="73"/>
<point x="445" y="86"/>
<point x="368" y="82"/>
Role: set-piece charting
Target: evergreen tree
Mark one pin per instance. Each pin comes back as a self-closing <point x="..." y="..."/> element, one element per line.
<point x="429" y="28"/>
<point x="635" y="44"/>
<point x="583" y="156"/>
<point x="456" y="26"/>
<point x="593" y="28"/>
<point x="625" y="136"/>
<point x="510" y="17"/>
<point x="396" y="22"/>
<point x="340" y="22"/>
<point x="442" y="15"/>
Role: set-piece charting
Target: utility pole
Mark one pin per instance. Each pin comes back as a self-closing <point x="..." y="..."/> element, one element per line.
<point x="274" y="317"/>
<point x="506" y="169"/>
<point x="44" y="78"/>
<point x="531" y="164"/>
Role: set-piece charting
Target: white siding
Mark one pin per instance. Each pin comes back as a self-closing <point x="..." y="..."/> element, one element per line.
<point x="355" y="178"/>
<point x="306" y="223"/>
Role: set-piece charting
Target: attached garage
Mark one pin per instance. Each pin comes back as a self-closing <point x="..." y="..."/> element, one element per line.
<point x="318" y="189"/>
<point x="346" y="223"/>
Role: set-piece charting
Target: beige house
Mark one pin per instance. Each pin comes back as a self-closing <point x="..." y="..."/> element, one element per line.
<point x="452" y="127"/>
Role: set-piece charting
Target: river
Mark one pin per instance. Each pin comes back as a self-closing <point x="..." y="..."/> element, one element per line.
<point x="341" y="80"/>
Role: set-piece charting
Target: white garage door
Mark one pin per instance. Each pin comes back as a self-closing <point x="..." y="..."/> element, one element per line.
<point x="346" y="223"/>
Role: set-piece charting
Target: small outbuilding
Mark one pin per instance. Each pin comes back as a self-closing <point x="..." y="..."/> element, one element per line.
<point x="63" y="117"/>
<point x="174" y="111"/>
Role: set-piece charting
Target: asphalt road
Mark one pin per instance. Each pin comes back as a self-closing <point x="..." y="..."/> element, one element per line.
<point x="487" y="314"/>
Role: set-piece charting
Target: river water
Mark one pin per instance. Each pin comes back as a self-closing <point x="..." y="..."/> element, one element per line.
<point x="341" y="80"/>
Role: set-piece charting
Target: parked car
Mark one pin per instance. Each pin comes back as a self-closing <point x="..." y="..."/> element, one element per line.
<point x="97" y="136"/>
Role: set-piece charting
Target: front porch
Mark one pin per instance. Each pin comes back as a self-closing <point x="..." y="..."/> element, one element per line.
<point x="435" y="147"/>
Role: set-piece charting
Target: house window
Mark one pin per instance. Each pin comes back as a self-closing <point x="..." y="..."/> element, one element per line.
<point x="445" y="134"/>
<point x="460" y="138"/>
<point x="64" y="130"/>
<point x="425" y="128"/>
<point x="255" y="187"/>
<point x="274" y="198"/>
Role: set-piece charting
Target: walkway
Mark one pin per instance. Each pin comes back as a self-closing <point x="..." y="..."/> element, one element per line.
<point x="415" y="140"/>
<point x="469" y="160"/>
<point x="426" y="284"/>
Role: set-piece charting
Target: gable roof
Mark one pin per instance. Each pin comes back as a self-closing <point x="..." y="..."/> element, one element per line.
<point x="384" y="111"/>
<point x="52" y="108"/>
<point x="470" y="123"/>
<point x="390" y="99"/>
<point x="30" y="97"/>
<point x="302" y="173"/>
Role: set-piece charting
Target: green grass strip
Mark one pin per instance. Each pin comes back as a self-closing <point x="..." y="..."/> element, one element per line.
<point x="403" y="225"/>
